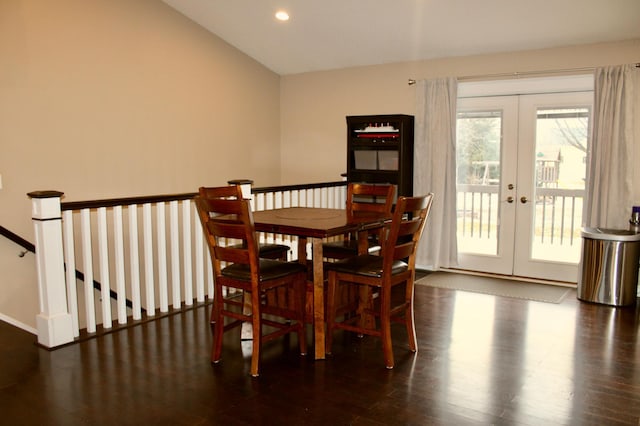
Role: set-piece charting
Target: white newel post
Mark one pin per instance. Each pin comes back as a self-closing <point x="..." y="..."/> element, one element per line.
<point x="54" y="323"/>
<point x="245" y="187"/>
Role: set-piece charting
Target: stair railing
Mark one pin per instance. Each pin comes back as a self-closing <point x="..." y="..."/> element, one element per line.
<point x="147" y="254"/>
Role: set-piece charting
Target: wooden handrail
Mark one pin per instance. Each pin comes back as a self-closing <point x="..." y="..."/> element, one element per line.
<point x="297" y="187"/>
<point x="17" y="239"/>
<point x="112" y="202"/>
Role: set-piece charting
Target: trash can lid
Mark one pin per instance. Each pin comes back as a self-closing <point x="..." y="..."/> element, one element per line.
<point x="610" y="234"/>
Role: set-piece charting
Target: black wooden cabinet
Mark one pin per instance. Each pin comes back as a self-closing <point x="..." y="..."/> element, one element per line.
<point x="380" y="150"/>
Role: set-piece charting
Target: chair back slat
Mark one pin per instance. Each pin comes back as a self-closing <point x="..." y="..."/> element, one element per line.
<point x="225" y="220"/>
<point x="407" y="225"/>
<point x="226" y="229"/>
<point x="403" y="251"/>
<point x="367" y="197"/>
<point x="230" y="191"/>
<point x="232" y="255"/>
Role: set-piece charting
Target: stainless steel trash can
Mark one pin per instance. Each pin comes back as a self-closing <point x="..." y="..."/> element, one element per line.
<point x="609" y="266"/>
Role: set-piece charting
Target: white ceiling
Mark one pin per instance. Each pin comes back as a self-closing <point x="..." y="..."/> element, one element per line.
<point x="330" y="34"/>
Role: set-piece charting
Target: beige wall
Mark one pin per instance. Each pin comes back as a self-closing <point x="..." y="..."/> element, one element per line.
<point x="314" y="105"/>
<point x="110" y="98"/>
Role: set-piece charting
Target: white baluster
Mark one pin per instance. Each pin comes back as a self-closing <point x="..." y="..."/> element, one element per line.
<point x="85" y="219"/>
<point x="175" y="253"/>
<point x="148" y="260"/>
<point x="311" y="197"/>
<point x="186" y="246"/>
<point x="134" y="262"/>
<point x="259" y="203"/>
<point x="70" y="262"/>
<point x="161" y="234"/>
<point x="277" y="200"/>
<point x="308" y="197"/>
<point x="103" y="256"/>
<point x="269" y="201"/>
<point x="200" y="260"/>
<point x="286" y="199"/>
<point x="118" y="234"/>
<point x="335" y="197"/>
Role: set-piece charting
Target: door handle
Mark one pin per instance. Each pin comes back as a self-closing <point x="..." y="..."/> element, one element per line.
<point x="523" y="200"/>
<point x="509" y="199"/>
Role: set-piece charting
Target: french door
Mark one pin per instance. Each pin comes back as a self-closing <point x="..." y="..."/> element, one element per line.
<point x="521" y="174"/>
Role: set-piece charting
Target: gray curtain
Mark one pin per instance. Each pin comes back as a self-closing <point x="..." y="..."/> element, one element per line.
<point x="610" y="187"/>
<point x="435" y="169"/>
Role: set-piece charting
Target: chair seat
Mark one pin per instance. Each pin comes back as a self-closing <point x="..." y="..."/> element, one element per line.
<point x="366" y="265"/>
<point x="345" y="248"/>
<point x="270" y="251"/>
<point x="269" y="270"/>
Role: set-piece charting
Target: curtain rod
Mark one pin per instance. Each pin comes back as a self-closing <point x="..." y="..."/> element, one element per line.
<point x="517" y="74"/>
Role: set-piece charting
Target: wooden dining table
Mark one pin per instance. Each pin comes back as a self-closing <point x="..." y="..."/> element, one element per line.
<point x="315" y="225"/>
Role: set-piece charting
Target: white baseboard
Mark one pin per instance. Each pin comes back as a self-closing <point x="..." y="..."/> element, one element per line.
<point x="18" y="324"/>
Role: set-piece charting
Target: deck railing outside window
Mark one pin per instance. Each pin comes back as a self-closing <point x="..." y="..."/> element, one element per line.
<point x="558" y="217"/>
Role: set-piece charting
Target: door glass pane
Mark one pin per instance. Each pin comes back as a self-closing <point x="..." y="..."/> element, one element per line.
<point x="560" y="173"/>
<point x="478" y="148"/>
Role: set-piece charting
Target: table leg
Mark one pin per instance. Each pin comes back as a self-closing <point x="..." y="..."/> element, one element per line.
<point x="302" y="250"/>
<point x="318" y="299"/>
<point x="363" y="242"/>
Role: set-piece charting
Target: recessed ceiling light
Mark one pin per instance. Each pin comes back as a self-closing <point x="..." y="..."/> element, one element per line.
<point x="281" y="15"/>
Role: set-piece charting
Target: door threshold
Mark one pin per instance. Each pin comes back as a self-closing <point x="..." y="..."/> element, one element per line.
<point x="511" y="277"/>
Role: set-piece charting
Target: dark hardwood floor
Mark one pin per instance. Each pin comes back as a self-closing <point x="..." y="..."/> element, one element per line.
<point x="482" y="360"/>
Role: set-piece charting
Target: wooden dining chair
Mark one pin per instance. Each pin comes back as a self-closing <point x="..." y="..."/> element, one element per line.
<point x="361" y="197"/>
<point x="267" y="250"/>
<point x="395" y="266"/>
<point x="239" y="266"/>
